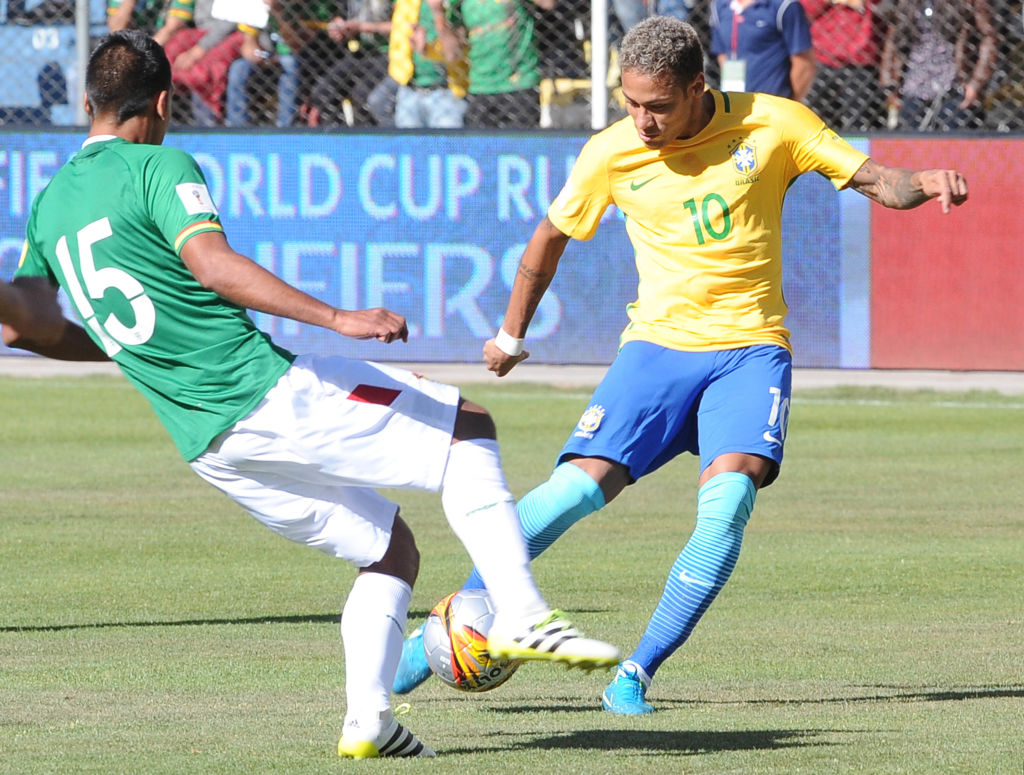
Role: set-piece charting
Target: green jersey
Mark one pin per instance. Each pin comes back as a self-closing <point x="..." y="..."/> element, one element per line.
<point x="427" y="73"/>
<point x="108" y="229"/>
<point x="503" y="54"/>
<point x="148" y="15"/>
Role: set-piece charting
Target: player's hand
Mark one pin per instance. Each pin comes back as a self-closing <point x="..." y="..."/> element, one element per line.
<point x="378" y="323"/>
<point x="499" y="361"/>
<point x="948" y="186"/>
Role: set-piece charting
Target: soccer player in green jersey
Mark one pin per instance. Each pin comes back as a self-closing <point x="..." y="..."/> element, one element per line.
<point x="129" y="230"/>
<point x="705" y="361"/>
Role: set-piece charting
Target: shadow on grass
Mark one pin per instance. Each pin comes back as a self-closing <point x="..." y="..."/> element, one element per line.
<point x="654" y="742"/>
<point x="296" y="619"/>
<point x="895" y="694"/>
<point x="414" y="616"/>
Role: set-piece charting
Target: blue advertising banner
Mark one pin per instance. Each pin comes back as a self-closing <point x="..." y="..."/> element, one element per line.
<point x="432" y="226"/>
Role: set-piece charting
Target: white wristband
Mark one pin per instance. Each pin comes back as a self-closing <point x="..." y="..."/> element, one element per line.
<point x="507" y="343"/>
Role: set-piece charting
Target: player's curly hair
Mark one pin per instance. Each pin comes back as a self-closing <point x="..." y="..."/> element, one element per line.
<point x="662" y="47"/>
<point x="126" y="70"/>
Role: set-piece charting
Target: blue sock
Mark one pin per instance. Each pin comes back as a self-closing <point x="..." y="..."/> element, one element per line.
<point x="550" y="509"/>
<point x="724" y="504"/>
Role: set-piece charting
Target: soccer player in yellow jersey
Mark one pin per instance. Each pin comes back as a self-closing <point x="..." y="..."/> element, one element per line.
<point x="705" y="361"/>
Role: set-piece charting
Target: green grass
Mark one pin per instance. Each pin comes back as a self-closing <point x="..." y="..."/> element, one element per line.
<point x="875" y="623"/>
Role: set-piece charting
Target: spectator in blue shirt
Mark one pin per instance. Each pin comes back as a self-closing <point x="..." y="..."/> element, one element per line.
<point x="763" y="46"/>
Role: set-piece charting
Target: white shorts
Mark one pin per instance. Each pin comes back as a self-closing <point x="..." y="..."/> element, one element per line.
<point x="305" y="460"/>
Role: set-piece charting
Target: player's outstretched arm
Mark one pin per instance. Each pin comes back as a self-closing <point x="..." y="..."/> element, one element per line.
<point x="903" y="189"/>
<point x="36" y="323"/>
<point x="536" y="271"/>
<point x="241" y="280"/>
<point x="29" y="305"/>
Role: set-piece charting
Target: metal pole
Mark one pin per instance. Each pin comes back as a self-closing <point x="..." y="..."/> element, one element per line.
<point x="598" y="64"/>
<point x="82" y="60"/>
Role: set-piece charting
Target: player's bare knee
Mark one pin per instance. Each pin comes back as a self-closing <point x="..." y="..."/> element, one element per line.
<point x="473" y="422"/>
<point x="402" y="558"/>
<point x="611" y="476"/>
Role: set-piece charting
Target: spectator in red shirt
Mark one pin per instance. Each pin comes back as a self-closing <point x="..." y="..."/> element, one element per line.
<point x="847" y="38"/>
<point x="201" y="49"/>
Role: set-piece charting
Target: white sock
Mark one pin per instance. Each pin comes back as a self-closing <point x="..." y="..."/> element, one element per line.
<point x="640" y="672"/>
<point x="372" y="630"/>
<point x="482" y="512"/>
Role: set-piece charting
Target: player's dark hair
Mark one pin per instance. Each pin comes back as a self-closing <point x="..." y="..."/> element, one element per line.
<point x="127" y="69"/>
<point x="663" y="47"/>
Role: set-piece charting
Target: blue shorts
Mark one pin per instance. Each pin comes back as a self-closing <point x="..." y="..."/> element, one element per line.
<point x="655" y="403"/>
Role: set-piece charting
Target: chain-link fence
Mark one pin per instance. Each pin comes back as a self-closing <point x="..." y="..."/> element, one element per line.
<point x="904" y="65"/>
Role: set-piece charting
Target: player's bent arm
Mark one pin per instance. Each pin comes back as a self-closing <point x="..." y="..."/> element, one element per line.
<point x="536" y="271"/>
<point x="241" y="280"/>
<point x="73" y="345"/>
<point x="42" y="328"/>
<point x="31" y="314"/>
<point x="903" y="189"/>
<point x="12" y="304"/>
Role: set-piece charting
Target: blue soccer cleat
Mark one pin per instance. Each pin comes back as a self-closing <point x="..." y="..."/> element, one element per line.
<point x="626" y="694"/>
<point x="413" y="668"/>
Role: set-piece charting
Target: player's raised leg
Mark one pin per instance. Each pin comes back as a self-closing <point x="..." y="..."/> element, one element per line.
<point x="545" y="513"/>
<point x="551" y="508"/>
<point x="482" y="513"/>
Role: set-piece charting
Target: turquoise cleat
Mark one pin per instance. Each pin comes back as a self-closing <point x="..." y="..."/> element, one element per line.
<point x="413" y="668"/>
<point x="626" y="694"/>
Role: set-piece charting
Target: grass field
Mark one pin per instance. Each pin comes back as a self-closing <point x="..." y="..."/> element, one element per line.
<point x="875" y="623"/>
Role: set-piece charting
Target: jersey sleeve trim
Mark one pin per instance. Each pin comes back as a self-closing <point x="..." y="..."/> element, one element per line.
<point x="192" y="230"/>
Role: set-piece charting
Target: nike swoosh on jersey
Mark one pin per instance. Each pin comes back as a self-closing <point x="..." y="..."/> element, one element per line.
<point x="634" y="185"/>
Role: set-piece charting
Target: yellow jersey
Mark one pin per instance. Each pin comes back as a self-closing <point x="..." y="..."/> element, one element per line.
<point x="704" y="216"/>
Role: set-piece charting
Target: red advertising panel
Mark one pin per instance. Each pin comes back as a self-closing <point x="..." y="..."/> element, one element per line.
<point x="947" y="291"/>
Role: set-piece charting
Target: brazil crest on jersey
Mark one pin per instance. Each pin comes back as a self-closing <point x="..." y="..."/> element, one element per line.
<point x="705" y="216"/>
<point x="108" y="229"/>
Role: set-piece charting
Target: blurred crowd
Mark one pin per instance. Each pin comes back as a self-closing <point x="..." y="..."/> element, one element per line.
<point x="863" y="65"/>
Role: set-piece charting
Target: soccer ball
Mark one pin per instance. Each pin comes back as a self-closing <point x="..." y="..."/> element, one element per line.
<point x="455" y="641"/>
